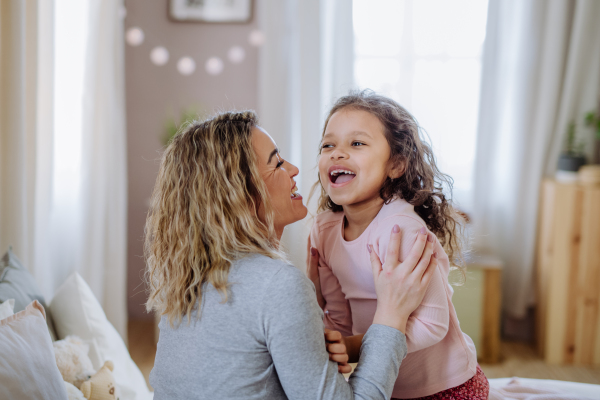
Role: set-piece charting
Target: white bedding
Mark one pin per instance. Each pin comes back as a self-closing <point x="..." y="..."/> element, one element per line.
<point x="541" y="389"/>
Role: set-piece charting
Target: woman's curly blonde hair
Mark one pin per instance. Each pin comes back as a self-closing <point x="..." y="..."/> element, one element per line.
<point x="204" y="213"/>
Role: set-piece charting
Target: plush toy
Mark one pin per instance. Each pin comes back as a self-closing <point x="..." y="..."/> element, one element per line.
<point x="72" y="360"/>
<point x="73" y="393"/>
<point x="101" y="386"/>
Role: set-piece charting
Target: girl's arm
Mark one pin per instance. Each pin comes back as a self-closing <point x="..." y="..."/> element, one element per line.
<point x="312" y="271"/>
<point x="353" y="344"/>
<point x="429" y="323"/>
<point x="337" y="309"/>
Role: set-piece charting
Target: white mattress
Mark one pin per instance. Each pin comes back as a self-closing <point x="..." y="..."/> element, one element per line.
<point x="576" y="390"/>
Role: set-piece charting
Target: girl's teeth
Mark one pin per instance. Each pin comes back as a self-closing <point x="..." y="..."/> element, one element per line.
<point x="342" y="172"/>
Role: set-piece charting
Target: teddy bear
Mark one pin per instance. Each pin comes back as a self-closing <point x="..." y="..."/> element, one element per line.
<point x="101" y="386"/>
<point x="72" y="360"/>
<point x="73" y="393"/>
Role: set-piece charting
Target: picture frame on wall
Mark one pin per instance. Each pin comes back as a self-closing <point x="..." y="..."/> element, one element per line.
<point x="215" y="11"/>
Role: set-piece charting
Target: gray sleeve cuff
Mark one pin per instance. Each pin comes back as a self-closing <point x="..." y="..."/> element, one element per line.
<point x="381" y="353"/>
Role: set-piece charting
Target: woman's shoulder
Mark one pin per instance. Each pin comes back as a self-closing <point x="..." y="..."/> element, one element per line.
<point x="275" y="278"/>
<point x="259" y="263"/>
<point x="265" y="269"/>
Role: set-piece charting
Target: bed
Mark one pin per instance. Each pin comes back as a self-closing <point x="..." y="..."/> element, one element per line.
<point x="541" y="389"/>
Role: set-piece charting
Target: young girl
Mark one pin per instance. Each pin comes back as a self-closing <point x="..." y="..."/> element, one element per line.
<point x="375" y="172"/>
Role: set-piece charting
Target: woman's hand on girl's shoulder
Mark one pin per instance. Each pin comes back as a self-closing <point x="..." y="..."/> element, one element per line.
<point x="401" y="286"/>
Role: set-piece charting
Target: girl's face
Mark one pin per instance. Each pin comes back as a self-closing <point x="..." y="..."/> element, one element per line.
<point x="354" y="161"/>
<point x="278" y="176"/>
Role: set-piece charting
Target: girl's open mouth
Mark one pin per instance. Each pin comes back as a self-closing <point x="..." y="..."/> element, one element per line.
<point x="339" y="175"/>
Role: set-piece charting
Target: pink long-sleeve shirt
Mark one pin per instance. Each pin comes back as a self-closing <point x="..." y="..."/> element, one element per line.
<point x="440" y="356"/>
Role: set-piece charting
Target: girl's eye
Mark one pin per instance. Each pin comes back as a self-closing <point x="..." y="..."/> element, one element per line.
<point x="279" y="164"/>
<point x="358" y="144"/>
<point x="326" y="146"/>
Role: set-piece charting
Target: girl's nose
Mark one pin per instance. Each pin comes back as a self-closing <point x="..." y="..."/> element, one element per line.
<point x="338" y="154"/>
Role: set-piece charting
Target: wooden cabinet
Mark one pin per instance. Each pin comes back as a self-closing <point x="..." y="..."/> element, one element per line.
<point x="477" y="303"/>
<point x="568" y="274"/>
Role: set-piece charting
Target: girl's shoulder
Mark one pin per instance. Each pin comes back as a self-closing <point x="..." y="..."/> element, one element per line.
<point x="326" y="229"/>
<point x="397" y="212"/>
<point x="400" y="212"/>
<point x="327" y="219"/>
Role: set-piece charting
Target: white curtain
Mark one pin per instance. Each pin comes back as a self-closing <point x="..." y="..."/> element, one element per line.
<point x="26" y="133"/>
<point x="541" y="69"/>
<point x="305" y="64"/>
<point x="102" y="260"/>
<point x="58" y="222"/>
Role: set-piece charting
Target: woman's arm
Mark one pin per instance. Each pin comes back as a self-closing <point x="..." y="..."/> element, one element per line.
<point x="294" y="331"/>
<point x="294" y="337"/>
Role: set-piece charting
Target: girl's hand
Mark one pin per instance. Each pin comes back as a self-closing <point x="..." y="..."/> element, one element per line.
<point x="401" y="286"/>
<point x="336" y="347"/>
<point x="312" y="271"/>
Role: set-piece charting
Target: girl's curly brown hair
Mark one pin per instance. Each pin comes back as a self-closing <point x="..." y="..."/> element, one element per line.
<point x="421" y="184"/>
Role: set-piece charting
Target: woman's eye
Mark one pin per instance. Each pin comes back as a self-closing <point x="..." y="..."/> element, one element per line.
<point x="279" y="164"/>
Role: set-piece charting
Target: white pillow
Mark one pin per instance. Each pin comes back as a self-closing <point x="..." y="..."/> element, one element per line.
<point x="7" y="308"/>
<point x="27" y="365"/>
<point x="79" y="313"/>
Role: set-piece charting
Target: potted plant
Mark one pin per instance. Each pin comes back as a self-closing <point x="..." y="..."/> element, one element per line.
<point x="172" y="126"/>
<point x="592" y="120"/>
<point x="572" y="158"/>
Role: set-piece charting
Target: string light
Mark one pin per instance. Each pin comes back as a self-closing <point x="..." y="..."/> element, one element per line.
<point x="256" y="38"/>
<point x="135" y="36"/>
<point x="159" y="55"/>
<point x="236" y="54"/>
<point x="186" y="65"/>
<point x="214" y="66"/>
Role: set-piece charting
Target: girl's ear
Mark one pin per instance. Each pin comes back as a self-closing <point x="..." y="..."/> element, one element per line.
<point x="398" y="169"/>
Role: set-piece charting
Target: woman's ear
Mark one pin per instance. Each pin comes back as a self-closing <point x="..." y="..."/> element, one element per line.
<point x="398" y="169"/>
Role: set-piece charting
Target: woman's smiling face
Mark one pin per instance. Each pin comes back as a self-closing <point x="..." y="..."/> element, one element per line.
<point x="278" y="176"/>
<point x="354" y="160"/>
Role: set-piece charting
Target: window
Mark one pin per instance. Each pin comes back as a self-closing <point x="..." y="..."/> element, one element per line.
<point x="70" y="35"/>
<point x="426" y="55"/>
<point x="70" y="30"/>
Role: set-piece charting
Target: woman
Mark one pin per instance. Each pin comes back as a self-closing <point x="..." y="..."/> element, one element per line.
<point x="254" y="329"/>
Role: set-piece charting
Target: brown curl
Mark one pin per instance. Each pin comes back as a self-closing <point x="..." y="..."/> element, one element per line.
<point x="421" y="183"/>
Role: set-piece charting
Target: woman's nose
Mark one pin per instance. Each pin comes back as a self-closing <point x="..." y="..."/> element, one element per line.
<point x="292" y="170"/>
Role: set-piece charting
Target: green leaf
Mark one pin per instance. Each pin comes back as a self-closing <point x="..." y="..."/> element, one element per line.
<point x="173" y="126"/>
<point x="590" y="118"/>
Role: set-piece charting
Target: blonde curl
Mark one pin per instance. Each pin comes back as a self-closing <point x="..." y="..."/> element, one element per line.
<point x="204" y="214"/>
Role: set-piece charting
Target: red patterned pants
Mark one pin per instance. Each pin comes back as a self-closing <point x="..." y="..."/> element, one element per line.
<point x="476" y="388"/>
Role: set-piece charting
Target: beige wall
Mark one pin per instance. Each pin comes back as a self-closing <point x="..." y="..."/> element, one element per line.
<point x="151" y="91"/>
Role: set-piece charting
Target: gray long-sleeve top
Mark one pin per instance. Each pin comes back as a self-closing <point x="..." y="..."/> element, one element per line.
<point x="266" y="342"/>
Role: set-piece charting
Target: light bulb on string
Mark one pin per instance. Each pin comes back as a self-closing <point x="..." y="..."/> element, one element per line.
<point x="135" y="36"/>
<point x="186" y="66"/>
<point x="256" y="38"/>
<point x="159" y="55"/>
<point x="214" y="66"/>
<point x="236" y="54"/>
